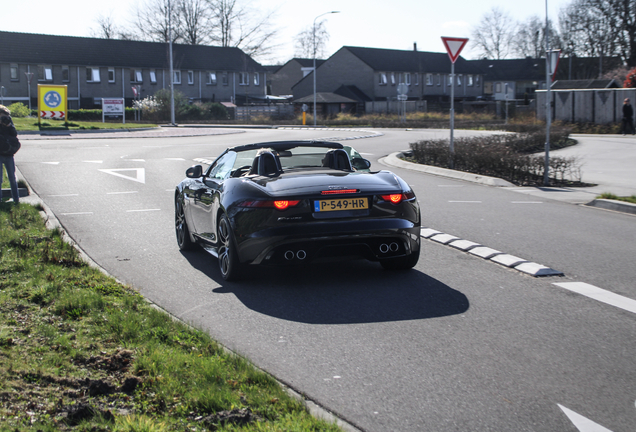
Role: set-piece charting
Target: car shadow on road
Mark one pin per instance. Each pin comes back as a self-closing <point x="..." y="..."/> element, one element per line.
<point x="339" y="293"/>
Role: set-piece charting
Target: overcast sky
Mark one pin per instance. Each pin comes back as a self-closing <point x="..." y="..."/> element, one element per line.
<point x="368" y="23"/>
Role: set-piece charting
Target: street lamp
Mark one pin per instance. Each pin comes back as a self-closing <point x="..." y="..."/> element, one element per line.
<point x="314" y="40"/>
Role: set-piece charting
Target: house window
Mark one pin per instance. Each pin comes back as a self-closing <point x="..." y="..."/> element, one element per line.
<point x="92" y="74"/>
<point x="136" y="76"/>
<point x="244" y="78"/>
<point x="459" y="80"/>
<point x="498" y="87"/>
<point x="153" y="76"/>
<point x="176" y="78"/>
<point x="449" y="80"/>
<point x="477" y="80"/>
<point x="45" y="73"/>
<point x="392" y="78"/>
<point x="417" y="79"/>
<point x="407" y="78"/>
<point x="224" y="79"/>
<point x="111" y="75"/>
<point x="66" y="74"/>
<point x="14" y="72"/>
<point x="191" y="77"/>
<point x="469" y="80"/>
<point x="211" y="78"/>
<point x="382" y="78"/>
<point x="256" y="78"/>
<point x="439" y="79"/>
<point x="429" y="79"/>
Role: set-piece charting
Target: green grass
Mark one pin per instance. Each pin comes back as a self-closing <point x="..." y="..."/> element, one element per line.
<point x="31" y="124"/>
<point x="81" y="352"/>
<point x="607" y="195"/>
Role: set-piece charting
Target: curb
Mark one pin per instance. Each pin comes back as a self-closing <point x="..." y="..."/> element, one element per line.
<point x="394" y="160"/>
<point x="614" y="205"/>
<point x="22" y="192"/>
<point x="476" y="249"/>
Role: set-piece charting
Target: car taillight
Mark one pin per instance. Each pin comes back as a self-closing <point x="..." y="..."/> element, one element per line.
<point x="393" y="198"/>
<point x="278" y="204"/>
<point x="398" y="198"/>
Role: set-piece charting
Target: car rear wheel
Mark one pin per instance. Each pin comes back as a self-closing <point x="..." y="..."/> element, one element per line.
<point x="228" y="258"/>
<point x="181" y="227"/>
<point x="401" y="263"/>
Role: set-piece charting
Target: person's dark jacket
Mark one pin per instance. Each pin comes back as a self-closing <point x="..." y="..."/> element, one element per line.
<point x="6" y="130"/>
<point x="628" y="111"/>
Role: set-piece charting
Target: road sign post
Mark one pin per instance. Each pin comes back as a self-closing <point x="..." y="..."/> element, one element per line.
<point x="453" y="46"/>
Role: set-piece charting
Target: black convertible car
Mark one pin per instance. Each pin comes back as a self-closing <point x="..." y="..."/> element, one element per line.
<point x="293" y="202"/>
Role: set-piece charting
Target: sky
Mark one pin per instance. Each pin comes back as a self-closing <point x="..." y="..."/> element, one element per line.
<point x="365" y="23"/>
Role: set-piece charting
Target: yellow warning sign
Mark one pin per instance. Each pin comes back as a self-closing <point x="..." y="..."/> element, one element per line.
<point x="52" y="101"/>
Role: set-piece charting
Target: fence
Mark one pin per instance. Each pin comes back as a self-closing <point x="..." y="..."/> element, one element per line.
<point x="249" y="112"/>
<point x="394" y="107"/>
<point x="600" y="106"/>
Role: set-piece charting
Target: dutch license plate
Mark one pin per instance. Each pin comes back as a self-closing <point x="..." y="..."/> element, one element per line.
<point x="341" y="204"/>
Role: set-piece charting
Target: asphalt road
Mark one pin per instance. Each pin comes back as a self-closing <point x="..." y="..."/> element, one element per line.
<point x="459" y="343"/>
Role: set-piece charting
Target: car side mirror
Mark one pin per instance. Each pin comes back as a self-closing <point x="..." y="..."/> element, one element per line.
<point x="360" y="163"/>
<point x="194" y="172"/>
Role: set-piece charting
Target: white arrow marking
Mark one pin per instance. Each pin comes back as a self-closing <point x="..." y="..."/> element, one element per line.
<point x="581" y="423"/>
<point x="140" y="174"/>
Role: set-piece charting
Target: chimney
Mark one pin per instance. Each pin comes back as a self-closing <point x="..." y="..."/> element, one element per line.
<point x="414" y="46"/>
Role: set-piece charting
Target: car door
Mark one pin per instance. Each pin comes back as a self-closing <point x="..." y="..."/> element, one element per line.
<point x="206" y="199"/>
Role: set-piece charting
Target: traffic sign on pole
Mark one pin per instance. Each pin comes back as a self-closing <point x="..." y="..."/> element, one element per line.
<point x="454" y="46"/>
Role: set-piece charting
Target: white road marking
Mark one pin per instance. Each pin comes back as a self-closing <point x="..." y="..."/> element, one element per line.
<point x="599" y="294"/>
<point x="118" y="193"/>
<point x="140" y="174"/>
<point x="51" y="163"/>
<point x="581" y="423"/>
<point x="142" y="210"/>
<point x="95" y="161"/>
<point x="466" y="202"/>
<point x="175" y="159"/>
<point x="77" y="213"/>
<point x="64" y="195"/>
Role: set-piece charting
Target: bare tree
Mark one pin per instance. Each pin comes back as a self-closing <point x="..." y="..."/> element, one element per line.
<point x="493" y="36"/>
<point x="106" y="28"/>
<point x="196" y="21"/>
<point x="307" y="39"/>
<point x="529" y="40"/>
<point x="236" y="25"/>
<point x="154" y="19"/>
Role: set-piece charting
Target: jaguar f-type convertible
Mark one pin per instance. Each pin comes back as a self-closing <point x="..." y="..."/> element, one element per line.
<point x="295" y="202"/>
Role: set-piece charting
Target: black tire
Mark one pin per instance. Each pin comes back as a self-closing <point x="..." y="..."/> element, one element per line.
<point x="401" y="263"/>
<point x="228" y="257"/>
<point x="181" y="227"/>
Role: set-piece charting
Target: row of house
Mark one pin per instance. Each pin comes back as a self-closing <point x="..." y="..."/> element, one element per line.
<point x="93" y="69"/>
<point x="352" y="79"/>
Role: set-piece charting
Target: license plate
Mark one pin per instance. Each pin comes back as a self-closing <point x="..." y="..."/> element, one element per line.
<point x="341" y="204"/>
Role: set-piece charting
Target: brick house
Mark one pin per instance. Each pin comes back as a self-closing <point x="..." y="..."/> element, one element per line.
<point x="284" y="77"/>
<point x="95" y="68"/>
<point x="376" y="73"/>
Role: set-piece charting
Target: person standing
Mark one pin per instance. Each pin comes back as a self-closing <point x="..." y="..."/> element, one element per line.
<point x="628" y="117"/>
<point x="7" y="130"/>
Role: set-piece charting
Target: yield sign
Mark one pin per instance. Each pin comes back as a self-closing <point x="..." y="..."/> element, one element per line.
<point x="454" y="46"/>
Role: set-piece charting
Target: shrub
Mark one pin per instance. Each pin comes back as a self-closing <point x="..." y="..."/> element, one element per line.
<point x="217" y="111"/>
<point x="18" y="109"/>
<point x="507" y="156"/>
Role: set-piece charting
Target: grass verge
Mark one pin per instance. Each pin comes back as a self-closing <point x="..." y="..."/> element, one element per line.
<point x="611" y="196"/>
<point x="31" y="124"/>
<point x="81" y="352"/>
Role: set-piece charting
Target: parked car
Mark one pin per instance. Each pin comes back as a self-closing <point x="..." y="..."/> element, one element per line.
<point x="296" y="202"/>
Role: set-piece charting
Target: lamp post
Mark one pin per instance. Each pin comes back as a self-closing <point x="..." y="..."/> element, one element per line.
<point x="314" y="73"/>
<point x="548" y="105"/>
<point x="172" y="119"/>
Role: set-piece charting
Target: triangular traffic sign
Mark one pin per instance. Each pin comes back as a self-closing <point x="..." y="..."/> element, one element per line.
<point x="454" y="46"/>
